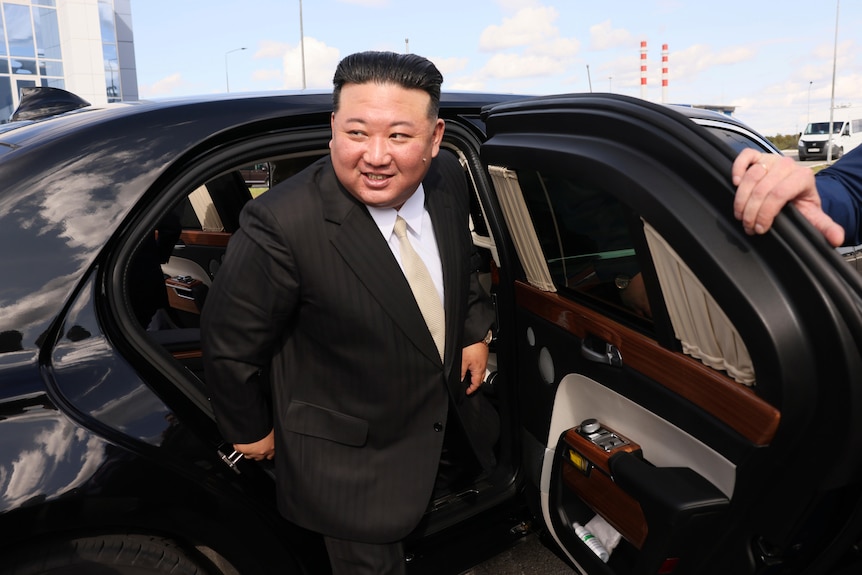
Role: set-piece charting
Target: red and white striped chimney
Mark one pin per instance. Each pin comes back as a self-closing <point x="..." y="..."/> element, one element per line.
<point x="643" y="69"/>
<point x="664" y="73"/>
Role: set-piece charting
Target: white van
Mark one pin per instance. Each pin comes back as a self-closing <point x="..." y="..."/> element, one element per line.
<point x="813" y="143"/>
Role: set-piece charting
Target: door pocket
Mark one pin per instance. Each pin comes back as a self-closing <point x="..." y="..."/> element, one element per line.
<point x="586" y="472"/>
<point x="661" y="511"/>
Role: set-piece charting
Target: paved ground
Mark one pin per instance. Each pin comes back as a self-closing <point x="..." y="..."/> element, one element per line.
<point x="529" y="556"/>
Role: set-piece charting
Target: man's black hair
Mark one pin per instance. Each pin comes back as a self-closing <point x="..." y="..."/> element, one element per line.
<point x="406" y="70"/>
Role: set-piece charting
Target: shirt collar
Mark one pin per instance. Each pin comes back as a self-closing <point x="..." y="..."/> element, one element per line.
<point x="412" y="211"/>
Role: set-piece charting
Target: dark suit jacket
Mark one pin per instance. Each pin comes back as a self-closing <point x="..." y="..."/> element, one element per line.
<point x="840" y="189"/>
<point x="310" y="289"/>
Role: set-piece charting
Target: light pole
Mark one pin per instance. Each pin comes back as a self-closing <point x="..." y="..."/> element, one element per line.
<point x="610" y="78"/>
<point x="808" y="120"/>
<point x="832" y="103"/>
<point x="226" y="76"/>
<point x="302" y="44"/>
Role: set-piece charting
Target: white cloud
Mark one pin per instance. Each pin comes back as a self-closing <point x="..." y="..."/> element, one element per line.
<point x="847" y="90"/>
<point x="529" y="25"/>
<point x="320" y="63"/>
<point x="448" y="66"/>
<point x="564" y="48"/>
<point x="691" y="61"/>
<point x="525" y="46"/>
<point x="604" y="37"/>
<point x="163" y="87"/>
<point x="270" y="49"/>
<point x="467" y="83"/>
<point x="514" y="66"/>
<point x="734" y="56"/>
<point x="509" y="73"/>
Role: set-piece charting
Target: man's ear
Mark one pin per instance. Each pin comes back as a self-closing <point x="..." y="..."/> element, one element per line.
<point x="439" y="128"/>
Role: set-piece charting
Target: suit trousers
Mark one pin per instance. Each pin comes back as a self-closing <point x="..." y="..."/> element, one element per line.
<point x="354" y="558"/>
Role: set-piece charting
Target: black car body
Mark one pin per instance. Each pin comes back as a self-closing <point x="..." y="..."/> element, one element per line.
<point x="725" y="435"/>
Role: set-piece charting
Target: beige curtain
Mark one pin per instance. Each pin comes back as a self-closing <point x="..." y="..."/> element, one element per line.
<point x="704" y="330"/>
<point x="521" y="227"/>
<point x="202" y="204"/>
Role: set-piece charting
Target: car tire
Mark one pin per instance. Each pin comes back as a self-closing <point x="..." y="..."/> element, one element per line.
<point x="124" y="554"/>
<point x="802" y="158"/>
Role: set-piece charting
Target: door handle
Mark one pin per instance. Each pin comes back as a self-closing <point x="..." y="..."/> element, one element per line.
<point x="608" y="354"/>
<point x="230" y="459"/>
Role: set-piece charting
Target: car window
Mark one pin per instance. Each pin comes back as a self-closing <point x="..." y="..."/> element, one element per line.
<point x="586" y="236"/>
<point x="594" y="250"/>
<point x="737" y="138"/>
<point x="266" y="174"/>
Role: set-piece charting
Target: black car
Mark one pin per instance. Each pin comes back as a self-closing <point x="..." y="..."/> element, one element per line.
<point x="688" y="393"/>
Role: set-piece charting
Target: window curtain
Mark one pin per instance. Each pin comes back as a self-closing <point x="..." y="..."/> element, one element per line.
<point x="701" y="326"/>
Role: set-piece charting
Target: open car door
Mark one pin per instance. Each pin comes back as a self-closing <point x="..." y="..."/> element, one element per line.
<point x="686" y="391"/>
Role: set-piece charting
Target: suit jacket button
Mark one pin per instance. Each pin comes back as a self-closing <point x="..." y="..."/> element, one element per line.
<point x="438" y="426"/>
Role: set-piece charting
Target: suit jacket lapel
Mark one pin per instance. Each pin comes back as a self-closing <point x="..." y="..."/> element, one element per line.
<point x="358" y="240"/>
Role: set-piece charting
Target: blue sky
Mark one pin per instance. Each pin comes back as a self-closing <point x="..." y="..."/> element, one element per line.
<point x="773" y="60"/>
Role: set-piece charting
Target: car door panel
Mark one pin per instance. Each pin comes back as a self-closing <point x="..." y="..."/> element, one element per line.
<point x="183" y="266"/>
<point x="718" y="418"/>
<point x="664" y="445"/>
<point x="190" y="270"/>
<point x="713" y="392"/>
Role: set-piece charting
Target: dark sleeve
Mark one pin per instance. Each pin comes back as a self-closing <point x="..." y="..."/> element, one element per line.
<point x="480" y="312"/>
<point x="840" y="189"/>
<point x="246" y="315"/>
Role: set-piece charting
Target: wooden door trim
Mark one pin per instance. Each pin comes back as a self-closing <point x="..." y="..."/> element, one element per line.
<point x="732" y="403"/>
<point x="202" y="238"/>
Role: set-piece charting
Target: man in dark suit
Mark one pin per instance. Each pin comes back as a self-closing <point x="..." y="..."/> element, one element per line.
<point x="312" y="291"/>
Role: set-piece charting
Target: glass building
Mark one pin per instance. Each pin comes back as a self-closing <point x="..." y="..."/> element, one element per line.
<point x="84" y="46"/>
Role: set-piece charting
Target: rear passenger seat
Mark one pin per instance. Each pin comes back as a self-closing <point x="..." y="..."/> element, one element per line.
<point x="184" y="344"/>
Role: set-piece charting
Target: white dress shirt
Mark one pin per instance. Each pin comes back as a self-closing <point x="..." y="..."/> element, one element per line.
<point x="419" y="231"/>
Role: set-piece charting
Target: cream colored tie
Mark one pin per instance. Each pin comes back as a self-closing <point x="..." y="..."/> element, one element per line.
<point x="423" y="287"/>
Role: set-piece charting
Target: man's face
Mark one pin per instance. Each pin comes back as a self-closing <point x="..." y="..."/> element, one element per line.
<point x="383" y="141"/>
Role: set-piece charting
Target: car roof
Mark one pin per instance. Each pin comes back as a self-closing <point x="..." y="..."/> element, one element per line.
<point x="311" y="99"/>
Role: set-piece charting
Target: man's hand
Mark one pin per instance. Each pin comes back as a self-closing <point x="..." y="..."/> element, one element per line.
<point x="474" y="359"/>
<point x="766" y="183"/>
<point x="259" y="450"/>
